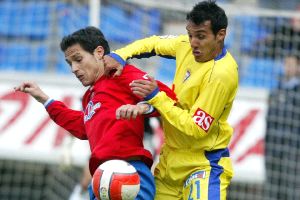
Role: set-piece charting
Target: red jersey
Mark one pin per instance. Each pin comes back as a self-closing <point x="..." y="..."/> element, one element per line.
<point x="108" y="137"/>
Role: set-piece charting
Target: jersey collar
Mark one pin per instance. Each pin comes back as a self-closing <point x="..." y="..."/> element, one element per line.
<point x="221" y="55"/>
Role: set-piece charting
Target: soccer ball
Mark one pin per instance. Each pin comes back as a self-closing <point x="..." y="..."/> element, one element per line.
<point x="116" y="180"/>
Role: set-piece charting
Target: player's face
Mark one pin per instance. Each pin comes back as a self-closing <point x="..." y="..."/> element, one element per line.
<point x="205" y="45"/>
<point x="87" y="67"/>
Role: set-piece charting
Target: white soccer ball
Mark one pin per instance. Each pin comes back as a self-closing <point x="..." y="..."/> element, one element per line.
<point x="116" y="180"/>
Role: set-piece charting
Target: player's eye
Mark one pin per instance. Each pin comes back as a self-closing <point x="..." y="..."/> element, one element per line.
<point x="78" y="59"/>
<point x="200" y="36"/>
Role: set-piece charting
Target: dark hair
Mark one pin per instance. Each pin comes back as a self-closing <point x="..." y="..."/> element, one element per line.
<point x="88" y="38"/>
<point x="208" y="10"/>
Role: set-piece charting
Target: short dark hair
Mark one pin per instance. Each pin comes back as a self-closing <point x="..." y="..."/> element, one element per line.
<point x="88" y="38"/>
<point x="208" y="10"/>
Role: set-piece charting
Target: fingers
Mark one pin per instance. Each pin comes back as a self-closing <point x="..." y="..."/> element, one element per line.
<point x="141" y="91"/>
<point x="140" y="82"/>
<point x="19" y="88"/>
<point x="118" y="71"/>
<point x="119" y="112"/>
<point x="112" y="67"/>
<point x="142" y="87"/>
<point x="25" y="87"/>
<point x="128" y="112"/>
<point x="151" y="78"/>
<point x="124" y="112"/>
<point x="134" y="114"/>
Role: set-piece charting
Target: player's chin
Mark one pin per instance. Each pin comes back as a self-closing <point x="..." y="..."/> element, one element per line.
<point x="200" y="59"/>
<point x="85" y="83"/>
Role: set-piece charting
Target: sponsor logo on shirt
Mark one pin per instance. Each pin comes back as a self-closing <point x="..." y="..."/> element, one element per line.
<point x="90" y="110"/>
<point x="202" y="119"/>
<point x="196" y="175"/>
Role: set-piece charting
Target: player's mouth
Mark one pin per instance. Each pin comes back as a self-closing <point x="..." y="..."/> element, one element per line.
<point x="196" y="53"/>
<point x="80" y="77"/>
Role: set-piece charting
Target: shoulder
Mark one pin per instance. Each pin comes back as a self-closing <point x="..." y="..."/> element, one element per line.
<point x="183" y="40"/>
<point x="130" y="73"/>
<point x="131" y="68"/>
<point x="177" y="40"/>
<point x="227" y="65"/>
<point x="228" y="60"/>
<point x="226" y="71"/>
<point x="174" y="37"/>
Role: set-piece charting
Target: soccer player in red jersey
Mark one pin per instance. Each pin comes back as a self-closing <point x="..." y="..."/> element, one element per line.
<point x="108" y="136"/>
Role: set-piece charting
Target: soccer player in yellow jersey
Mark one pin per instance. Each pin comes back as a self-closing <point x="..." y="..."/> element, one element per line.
<point x="194" y="163"/>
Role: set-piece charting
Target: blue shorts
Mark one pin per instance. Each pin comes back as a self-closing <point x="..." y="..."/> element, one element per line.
<point x="147" y="186"/>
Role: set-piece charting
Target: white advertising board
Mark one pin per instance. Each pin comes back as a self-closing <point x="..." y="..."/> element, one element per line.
<point x="248" y="118"/>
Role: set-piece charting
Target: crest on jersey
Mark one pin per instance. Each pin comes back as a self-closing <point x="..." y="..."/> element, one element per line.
<point x="203" y="119"/>
<point x="187" y="75"/>
<point x="146" y="76"/>
<point x="90" y="110"/>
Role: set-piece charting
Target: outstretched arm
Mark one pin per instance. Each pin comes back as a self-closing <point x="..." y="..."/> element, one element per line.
<point x="70" y="120"/>
<point x="164" y="46"/>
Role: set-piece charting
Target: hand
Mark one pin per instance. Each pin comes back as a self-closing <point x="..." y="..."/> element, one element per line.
<point x="143" y="88"/>
<point x="112" y="67"/>
<point x="131" y="111"/>
<point x="34" y="90"/>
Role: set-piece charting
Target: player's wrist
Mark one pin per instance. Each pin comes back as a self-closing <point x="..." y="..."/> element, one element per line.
<point x="48" y="102"/>
<point x="152" y="94"/>
<point x="42" y="98"/>
<point x="147" y="108"/>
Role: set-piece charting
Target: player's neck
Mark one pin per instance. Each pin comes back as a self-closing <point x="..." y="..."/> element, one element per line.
<point x="218" y="51"/>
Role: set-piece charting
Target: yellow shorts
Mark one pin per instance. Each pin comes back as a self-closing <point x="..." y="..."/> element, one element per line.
<point x="192" y="175"/>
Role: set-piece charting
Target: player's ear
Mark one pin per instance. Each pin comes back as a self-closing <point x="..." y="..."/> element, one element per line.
<point x="99" y="52"/>
<point x="221" y="35"/>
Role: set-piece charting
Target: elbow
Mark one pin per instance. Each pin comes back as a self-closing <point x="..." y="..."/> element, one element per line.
<point x="82" y="137"/>
<point x="200" y="133"/>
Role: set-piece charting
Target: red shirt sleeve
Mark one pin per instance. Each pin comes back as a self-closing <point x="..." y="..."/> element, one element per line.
<point x="70" y="120"/>
<point x="167" y="90"/>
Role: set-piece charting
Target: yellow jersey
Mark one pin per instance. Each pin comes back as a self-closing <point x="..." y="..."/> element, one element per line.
<point x="205" y="93"/>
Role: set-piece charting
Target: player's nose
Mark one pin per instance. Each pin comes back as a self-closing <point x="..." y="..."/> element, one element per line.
<point x="194" y="43"/>
<point x="74" y="67"/>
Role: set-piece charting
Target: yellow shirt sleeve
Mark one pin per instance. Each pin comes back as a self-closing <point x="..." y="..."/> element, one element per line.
<point x="151" y="46"/>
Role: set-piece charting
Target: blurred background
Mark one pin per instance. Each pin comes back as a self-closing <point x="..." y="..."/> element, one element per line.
<point x="38" y="160"/>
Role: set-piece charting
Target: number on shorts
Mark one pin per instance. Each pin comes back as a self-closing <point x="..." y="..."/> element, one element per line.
<point x="195" y="184"/>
